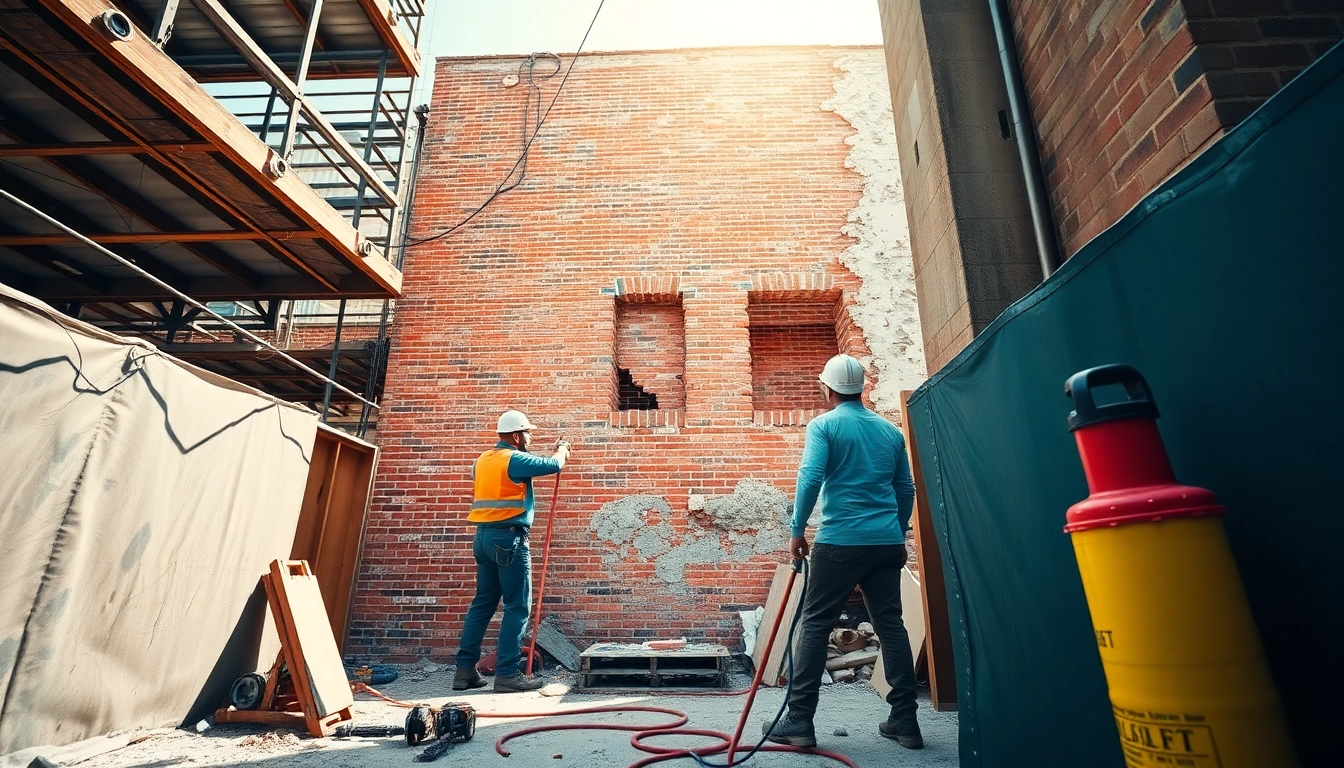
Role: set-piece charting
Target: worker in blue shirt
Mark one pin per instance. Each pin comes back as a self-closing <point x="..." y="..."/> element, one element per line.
<point x="854" y="461"/>
<point x="502" y="511"/>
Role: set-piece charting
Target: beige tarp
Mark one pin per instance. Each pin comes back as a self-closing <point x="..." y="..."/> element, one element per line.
<point x="140" y="500"/>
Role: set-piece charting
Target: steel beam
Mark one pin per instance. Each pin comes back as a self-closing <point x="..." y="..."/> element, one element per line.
<point x="233" y="32"/>
<point x="301" y="77"/>
<point x="163" y="23"/>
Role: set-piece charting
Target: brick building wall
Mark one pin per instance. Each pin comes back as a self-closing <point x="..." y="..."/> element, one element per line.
<point x="1125" y="93"/>
<point x="677" y="207"/>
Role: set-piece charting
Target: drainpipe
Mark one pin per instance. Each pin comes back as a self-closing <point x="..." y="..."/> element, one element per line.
<point x="1047" y="247"/>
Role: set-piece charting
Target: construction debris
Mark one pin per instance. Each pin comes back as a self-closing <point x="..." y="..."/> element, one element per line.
<point x="853" y="660"/>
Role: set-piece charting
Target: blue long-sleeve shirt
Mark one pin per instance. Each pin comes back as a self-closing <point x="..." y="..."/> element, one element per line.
<point x="523" y="466"/>
<point x="855" y="462"/>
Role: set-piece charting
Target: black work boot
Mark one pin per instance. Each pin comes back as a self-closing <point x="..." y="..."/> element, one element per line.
<point x="798" y="733"/>
<point x="904" y="731"/>
<point x="468" y="678"/>
<point x="515" y="683"/>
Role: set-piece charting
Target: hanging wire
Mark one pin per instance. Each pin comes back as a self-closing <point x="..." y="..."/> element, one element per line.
<point x="516" y="173"/>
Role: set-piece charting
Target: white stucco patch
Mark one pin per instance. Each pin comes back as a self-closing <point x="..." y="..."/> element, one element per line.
<point x="885" y="308"/>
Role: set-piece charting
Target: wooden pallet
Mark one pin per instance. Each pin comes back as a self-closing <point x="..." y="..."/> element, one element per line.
<point x="621" y="666"/>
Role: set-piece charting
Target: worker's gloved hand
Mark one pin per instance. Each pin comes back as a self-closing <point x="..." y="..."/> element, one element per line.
<point x="563" y="445"/>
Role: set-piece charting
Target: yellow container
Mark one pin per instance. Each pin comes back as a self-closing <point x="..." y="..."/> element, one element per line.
<point x="1186" y="672"/>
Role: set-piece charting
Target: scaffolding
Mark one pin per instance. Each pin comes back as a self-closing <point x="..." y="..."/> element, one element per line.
<point x="254" y="155"/>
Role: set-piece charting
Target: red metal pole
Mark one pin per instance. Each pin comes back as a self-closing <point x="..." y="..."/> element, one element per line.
<point x="760" y="668"/>
<point x="541" y="584"/>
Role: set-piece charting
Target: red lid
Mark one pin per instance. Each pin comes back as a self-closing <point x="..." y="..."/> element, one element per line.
<point x="1147" y="504"/>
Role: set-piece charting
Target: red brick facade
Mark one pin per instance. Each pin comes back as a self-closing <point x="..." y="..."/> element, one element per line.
<point x="682" y="220"/>
<point x="1124" y="93"/>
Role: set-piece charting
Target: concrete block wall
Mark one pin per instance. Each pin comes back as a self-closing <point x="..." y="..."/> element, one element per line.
<point x="1125" y="93"/>
<point x="665" y="187"/>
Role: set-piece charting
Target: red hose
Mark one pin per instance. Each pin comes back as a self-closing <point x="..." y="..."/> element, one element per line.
<point x="545" y="565"/>
<point x="760" y="669"/>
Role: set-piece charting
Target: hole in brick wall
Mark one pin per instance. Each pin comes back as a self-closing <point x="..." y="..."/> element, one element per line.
<point x="650" y="354"/>
<point x="791" y="337"/>
<point x="1003" y="124"/>
<point x="632" y="396"/>
<point x="916" y="153"/>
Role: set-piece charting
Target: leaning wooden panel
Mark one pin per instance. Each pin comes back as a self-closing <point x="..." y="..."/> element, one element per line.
<point x="937" y="622"/>
<point x="310" y="648"/>
<point x="333" y="519"/>
<point x="156" y="72"/>
<point x="776" y="602"/>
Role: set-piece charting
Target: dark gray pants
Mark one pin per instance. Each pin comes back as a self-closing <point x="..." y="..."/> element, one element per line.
<point x="834" y="572"/>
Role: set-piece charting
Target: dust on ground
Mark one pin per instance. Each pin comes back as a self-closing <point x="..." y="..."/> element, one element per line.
<point x="854" y="709"/>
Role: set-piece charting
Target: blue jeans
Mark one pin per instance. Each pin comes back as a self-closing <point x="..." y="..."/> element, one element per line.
<point x="503" y="571"/>
<point x="835" y="570"/>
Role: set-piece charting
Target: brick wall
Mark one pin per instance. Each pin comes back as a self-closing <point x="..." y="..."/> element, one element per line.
<point x="711" y="175"/>
<point x="1125" y="93"/>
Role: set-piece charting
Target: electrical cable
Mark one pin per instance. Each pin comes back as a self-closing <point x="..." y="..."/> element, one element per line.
<point x="521" y="162"/>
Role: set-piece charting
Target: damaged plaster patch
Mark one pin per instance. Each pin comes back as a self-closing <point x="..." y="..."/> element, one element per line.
<point x="885" y="308"/>
<point x="750" y="521"/>
<point x="618" y="521"/>
<point x="752" y="506"/>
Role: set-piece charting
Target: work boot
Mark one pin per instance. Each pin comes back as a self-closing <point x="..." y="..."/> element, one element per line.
<point x="515" y="683"/>
<point x="904" y="731"/>
<point x="798" y="733"/>
<point x="468" y="678"/>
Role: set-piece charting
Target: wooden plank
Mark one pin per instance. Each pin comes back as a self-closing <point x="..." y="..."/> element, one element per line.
<point x="310" y="647"/>
<point x="381" y="17"/>
<point x="937" y="622"/>
<point x="776" y="602"/>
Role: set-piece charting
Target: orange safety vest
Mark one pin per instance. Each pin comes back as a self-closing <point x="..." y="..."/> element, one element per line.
<point x="497" y="496"/>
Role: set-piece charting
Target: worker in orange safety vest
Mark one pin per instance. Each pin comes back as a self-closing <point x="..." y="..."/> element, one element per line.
<point x="502" y="511"/>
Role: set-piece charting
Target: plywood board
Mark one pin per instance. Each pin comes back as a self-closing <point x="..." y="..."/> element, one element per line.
<point x="774" y="604"/>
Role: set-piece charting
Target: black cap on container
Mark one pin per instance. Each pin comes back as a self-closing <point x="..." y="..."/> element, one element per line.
<point x="1139" y="403"/>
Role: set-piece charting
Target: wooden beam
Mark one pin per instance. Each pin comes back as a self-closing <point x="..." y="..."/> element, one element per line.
<point x="381" y="16"/>
<point x="937" y="621"/>
<point x="95" y="148"/>
<point x="231" y="235"/>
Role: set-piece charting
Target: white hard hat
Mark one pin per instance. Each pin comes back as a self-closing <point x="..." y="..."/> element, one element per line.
<point x="513" y="421"/>
<point x="843" y="375"/>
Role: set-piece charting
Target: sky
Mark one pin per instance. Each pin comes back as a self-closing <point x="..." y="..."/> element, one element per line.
<point x="483" y="27"/>
<point x="487" y="27"/>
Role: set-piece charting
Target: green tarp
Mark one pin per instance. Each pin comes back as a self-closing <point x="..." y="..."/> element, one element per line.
<point x="1225" y="287"/>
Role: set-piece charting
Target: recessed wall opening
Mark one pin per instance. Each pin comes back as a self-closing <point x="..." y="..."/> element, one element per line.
<point x="650" y="353"/>
<point x="792" y="335"/>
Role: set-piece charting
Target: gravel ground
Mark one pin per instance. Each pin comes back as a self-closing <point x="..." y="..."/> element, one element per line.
<point x="854" y="709"/>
